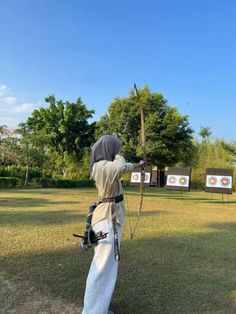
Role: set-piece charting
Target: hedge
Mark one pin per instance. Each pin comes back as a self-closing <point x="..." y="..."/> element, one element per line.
<point x="197" y="184"/>
<point x="62" y="183"/>
<point x="10" y="182"/>
<point x="19" y="172"/>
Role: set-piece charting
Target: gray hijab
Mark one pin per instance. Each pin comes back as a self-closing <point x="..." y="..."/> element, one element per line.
<point x="105" y="148"/>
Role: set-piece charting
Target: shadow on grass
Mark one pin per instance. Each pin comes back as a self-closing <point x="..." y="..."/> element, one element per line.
<point x="55" y="217"/>
<point x="177" y="195"/>
<point x="49" y="191"/>
<point x="187" y="198"/>
<point x="148" y="213"/>
<point x="168" y="274"/>
<point x="226" y="226"/>
<point x="226" y="203"/>
<point x="12" y="218"/>
<point x="207" y="200"/>
<point x="30" y="202"/>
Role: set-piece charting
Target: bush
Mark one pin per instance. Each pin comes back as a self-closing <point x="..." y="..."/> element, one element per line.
<point x="10" y="182"/>
<point x="125" y="183"/>
<point x="197" y="184"/>
<point x="19" y="172"/>
<point x="62" y="183"/>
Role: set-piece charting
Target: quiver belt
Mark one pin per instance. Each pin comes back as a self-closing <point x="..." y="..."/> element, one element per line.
<point x="91" y="238"/>
<point x="115" y="199"/>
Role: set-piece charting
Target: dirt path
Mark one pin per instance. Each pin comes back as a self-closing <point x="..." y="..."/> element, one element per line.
<point x="21" y="298"/>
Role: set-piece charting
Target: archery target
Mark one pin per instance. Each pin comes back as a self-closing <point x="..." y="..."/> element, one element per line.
<point x="136" y="177"/>
<point x="177" y="180"/>
<point x="219" y="180"/>
<point x="216" y="181"/>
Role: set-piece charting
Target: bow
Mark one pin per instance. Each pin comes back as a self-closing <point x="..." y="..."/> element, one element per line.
<point x="143" y="147"/>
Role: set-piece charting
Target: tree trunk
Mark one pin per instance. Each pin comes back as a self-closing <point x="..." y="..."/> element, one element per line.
<point x="27" y="166"/>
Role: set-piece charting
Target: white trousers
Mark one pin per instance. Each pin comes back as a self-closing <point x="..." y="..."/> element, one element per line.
<point x="102" y="275"/>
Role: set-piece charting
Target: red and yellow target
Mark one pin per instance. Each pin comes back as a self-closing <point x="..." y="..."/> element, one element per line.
<point x="225" y="181"/>
<point x="178" y="180"/>
<point x="212" y="180"/>
<point x="172" y="180"/>
<point x="219" y="181"/>
<point x="182" y="180"/>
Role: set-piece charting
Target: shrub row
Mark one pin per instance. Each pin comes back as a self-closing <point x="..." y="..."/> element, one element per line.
<point x="19" y="172"/>
<point x="61" y="183"/>
<point x="197" y="184"/>
<point x="10" y="182"/>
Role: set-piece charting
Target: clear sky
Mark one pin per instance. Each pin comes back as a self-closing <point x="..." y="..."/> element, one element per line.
<point x="97" y="49"/>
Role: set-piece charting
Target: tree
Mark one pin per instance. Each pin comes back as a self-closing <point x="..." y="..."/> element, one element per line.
<point x="205" y="133"/>
<point x="31" y="149"/>
<point x="212" y="154"/>
<point x="9" y="151"/>
<point x="68" y="132"/>
<point x="66" y="125"/>
<point x="4" y="131"/>
<point x="168" y="135"/>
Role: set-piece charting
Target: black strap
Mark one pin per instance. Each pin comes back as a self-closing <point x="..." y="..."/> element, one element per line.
<point x="116" y="199"/>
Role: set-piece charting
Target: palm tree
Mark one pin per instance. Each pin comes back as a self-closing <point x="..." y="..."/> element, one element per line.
<point x="205" y="133"/>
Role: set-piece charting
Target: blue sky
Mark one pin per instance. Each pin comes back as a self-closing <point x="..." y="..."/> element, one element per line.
<point x="97" y="49"/>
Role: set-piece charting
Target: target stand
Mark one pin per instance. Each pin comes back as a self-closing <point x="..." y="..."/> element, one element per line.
<point x="219" y="180"/>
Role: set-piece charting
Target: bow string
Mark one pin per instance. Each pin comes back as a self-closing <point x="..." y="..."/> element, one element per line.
<point x="143" y="148"/>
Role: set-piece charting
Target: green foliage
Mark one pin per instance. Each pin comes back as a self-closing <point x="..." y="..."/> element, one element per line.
<point x="19" y="172"/>
<point x="62" y="183"/>
<point x="210" y="154"/>
<point x="205" y="133"/>
<point x="62" y="135"/>
<point x="66" y="126"/>
<point x="197" y="183"/>
<point x="67" y="166"/>
<point x="9" y="149"/>
<point x="78" y="170"/>
<point x="230" y="148"/>
<point x="4" y="131"/>
<point x="168" y="135"/>
<point x="33" y="146"/>
<point x="9" y="182"/>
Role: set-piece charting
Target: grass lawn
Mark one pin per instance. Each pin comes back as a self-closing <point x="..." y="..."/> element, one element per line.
<point x="182" y="259"/>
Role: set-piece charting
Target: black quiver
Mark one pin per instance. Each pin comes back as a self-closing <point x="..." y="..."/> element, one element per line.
<point x="90" y="238"/>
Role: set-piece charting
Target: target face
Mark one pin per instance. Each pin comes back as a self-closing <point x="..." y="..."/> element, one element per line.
<point x="147" y="177"/>
<point x="219" y="181"/>
<point x="212" y="181"/>
<point x="225" y="182"/>
<point x="172" y="180"/>
<point x="136" y="177"/>
<point x="177" y="180"/>
<point x="182" y="181"/>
